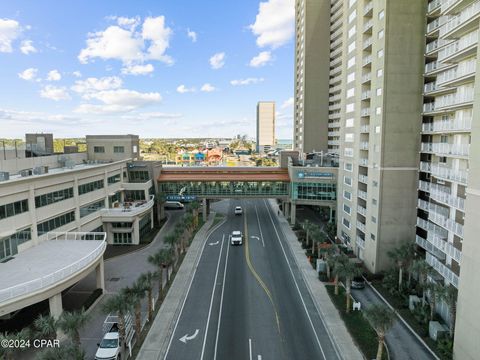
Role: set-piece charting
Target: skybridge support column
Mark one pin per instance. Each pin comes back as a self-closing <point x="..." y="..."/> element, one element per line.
<point x="204" y="209"/>
<point x="56" y="309"/>
<point x="100" y="277"/>
<point x="293" y="213"/>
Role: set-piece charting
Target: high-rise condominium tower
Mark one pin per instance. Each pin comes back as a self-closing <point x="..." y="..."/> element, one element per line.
<point x="265" y="125"/>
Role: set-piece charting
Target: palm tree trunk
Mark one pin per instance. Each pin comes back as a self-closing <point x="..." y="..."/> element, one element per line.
<point x="328" y="269"/>
<point x="400" y="278"/>
<point x="313" y="247"/>
<point x="380" y="346"/>
<point x="76" y="339"/>
<point x="150" y="303"/>
<point x="160" y="283"/>
<point x="138" y="320"/>
<point x="121" y="333"/>
<point x="348" y="286"/>
<point x="336" y="284"/>
<point x="432" y="306"/>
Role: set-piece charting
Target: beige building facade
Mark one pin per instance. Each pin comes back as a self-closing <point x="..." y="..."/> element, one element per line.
<point x="113" y="147"/>
<point x="265" y="126"/>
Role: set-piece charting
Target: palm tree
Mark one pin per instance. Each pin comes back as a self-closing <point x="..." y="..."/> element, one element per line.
<point x="172" y="240"/>
<point x="65" y="351"/>
<point x="120" y="305"/>
<point x="318" y="237"/>
<point x="135" y="294"/>
<point x="450" y="298"/>
<point x="147" y="279"/>
<point x="195" y="206"/>
<point x="381" y="318"/>
<point x="401" y="256"/>
<point x="157" y="261"/>
<point x="71" y="323"/>
<point x="437" y="292"/>
<point x="45" y="326"/>
<point x="423" y="269"/>
<point x="307" y="226"/>
<point x="339" y="263"/>
<point x="9" y="352"/>
<point x="348" y="270"/>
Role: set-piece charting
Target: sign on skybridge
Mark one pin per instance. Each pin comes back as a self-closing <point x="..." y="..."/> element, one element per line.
<point x="314" y="174"/>
<point x="182" y="198"/>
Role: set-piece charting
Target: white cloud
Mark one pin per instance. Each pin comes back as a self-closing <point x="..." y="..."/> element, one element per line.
<point x="287" y="103"/>
<point x="275" y="23"/>
<point x="54" y="75"/>
<point x="138" y="69"/>
<point x="261" y="59"/>
<point x="92" y="84"/>
<point x="28" y="74"/>
<point x="192" y="35"/>
<point x="130" y="23"/>
<point x="247" y="81"/>
<point x="154" y="29"/>
<point x="54" y="93"/>
<point x="27" y="47"/>
<point x="182" y="89"/>
<point x="77" y="74"/>
<point x="9" y="31"/>
<point x="208" y="88"/>
<point x="217" y="61"/>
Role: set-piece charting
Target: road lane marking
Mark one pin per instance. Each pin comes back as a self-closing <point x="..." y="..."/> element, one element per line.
<point x="296" y="284"/>
<point x="186" y="338"/>
<point x="250" y="348"/>
<point x="221" y="305"/>
<point x="255" y="274"/>
<point x="197" y="261"/>
<point x="215" y="243"/>
<point x="259" y="227"/>
<point x="211" y="299"/>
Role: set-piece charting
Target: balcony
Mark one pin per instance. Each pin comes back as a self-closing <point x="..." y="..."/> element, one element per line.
<point x="430" y="87"/>
<point x="364" y="129"/>
<point x="442" y="269"/>
<point x="442" y="195"/>
<point x="367" y="42"/>
<point x="459" y="21"/>
<point x="435" y="66"/>
<point x="367" y="10"/>
<point x="439" y="247"/>
<point x="333" y="142"/>
<point x="361" y="210"/>
<point x="464" y="46"/>
<point x="365" y="112"/>
<point x="336" y="61"/>
<point x="461" y="72"/>
<point x="360" y="242"/>
<point x="127" y="209"/>
<point x="363" y="161"/>
<point x="363" y="179"/>
<point x="367" y="60"/>
<point x="366" y="77"/>
<point x="335" y="89"/>
<point x="455" y="99"/>
<point x="444" y="126"/>
<point x="368" y="26"/>
<point x="364" y="145"/>
<point x="428" y="107"/>
<point x="435" y="24"/>
<point x="445" y="149"/>
<point x="333" y="133"/>
<point x="446" y="223"/>
<point x="434" y="5"/>
<point x="445" y="173"/>
<point x="361" y="226"/>
<point x="432" y="228"/>
<point x="362" y="195"/>
<point x="336" y="43"/>
<point x="334" y="116"/>
<point x="431" y="248"/>
<point x="334" y="107"/>
<point x="366" y="95"/>
<point x="435" y="45"/>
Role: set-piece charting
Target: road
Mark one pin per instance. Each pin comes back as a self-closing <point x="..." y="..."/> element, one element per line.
<point x="249" y="301"/>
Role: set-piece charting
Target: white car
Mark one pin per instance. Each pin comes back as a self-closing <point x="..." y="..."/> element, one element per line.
<point x="238" y="210"/>
<point x="236" y="238"/>
<point x="109" y="348"/>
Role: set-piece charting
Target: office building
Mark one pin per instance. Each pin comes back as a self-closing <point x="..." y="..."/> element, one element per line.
<point x="113" y="147"/>
<point x="265" y="126"/>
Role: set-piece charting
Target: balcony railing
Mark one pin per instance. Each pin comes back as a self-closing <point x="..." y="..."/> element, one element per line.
<point x="446" y="149"/>
<point x="446" y="223"/>
<point x="465" y="15"/>
<point x="430" y="247"/>
<point x="446" y="173"/>
<point x="367" y="42"/>
<point x="361" y="210"/>
<point x="459" y="45"/>
<point x="366" y="95"/>
<point x="362" y="194"/>
<point x="365" y="112"/>
<point x="363" y="179"/>
<point x="360" y="242"/>
<point x="428" y="107"/>
<point x="364" y="129"/>
<point x="432" y="228"/>
<point x="433" y="5"/>
<point x="368" y="7"/>
<point x="367" y="26"/>
<point x="366" y="77"/>
<point x="448" y="125"/>
<point x="442" y="269"/>
<point x="463" y="69"/>
<point x="454" y="99"/>
<point x="438" y="193"/>
<point x="360" y="226"/>
<point x="364" y="145"/>
<point x="429" y="87"/>
<point x="363" y="161"/>
<point x="367" y="60"/>
<point x="129" y="209"/>
<point x="434" y="45"/>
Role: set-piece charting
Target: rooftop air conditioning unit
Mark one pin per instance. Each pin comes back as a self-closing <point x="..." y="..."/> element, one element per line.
<point x="4" y="175"/>
<point x="40" y="170"/>
<point x="26" y="172"/>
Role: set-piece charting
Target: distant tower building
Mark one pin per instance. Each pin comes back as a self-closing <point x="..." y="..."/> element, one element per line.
<point x="265" y="126"/>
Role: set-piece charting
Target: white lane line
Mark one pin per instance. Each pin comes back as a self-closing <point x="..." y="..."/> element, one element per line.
<point x="221" y="305"/>
<point x="259" y="357"/>
<point x="295" y="281"/>
<point x="258" y="220"/>
<point x="211" y="299"/>
<point x="250" y="348"/>
<point x="190" y="285"/>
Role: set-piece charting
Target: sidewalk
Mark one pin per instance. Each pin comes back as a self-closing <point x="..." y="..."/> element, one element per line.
<point x="156" y="343"/>
<point x="333" y="323"/>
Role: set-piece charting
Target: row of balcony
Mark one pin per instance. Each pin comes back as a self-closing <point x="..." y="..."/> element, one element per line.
<point x="433" y="5"/>
<point x="465" y="15"/>
<point x="446" y="149"/>
<point x="448" y="100"/>
<point x="445" y="173"/>
<point x="367" y="26"/>
<point x="442" y="194"/>
<point x="448" y="125"/>
<point x="459" y="45"/>
<point x="446" y="223"/>
<point x="439" y="247"/>
<point x="442" y="269"/>
<point x="434" y="45"/>
<point x="463" y="69"/>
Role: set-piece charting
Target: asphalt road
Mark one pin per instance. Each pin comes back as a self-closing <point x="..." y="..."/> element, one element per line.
<point x="249" y="301"/>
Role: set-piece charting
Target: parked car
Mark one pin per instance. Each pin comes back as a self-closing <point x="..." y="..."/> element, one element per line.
<point x="173" y="205"/>
<point x="238" y="210"/>
<point x="358" y="282"/>
<point x="109" y="347"/>
<point x="236" y="238"/>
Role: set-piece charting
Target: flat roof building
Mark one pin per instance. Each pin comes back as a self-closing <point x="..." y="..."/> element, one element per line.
<point x="265" y="126"/>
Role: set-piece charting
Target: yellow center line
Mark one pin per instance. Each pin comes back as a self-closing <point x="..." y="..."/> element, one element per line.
<point x="255" y="274"/>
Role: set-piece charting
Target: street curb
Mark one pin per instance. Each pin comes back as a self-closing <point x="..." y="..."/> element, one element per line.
<point x="338" y="323"/>
<point x="158" y="338"/>
<point x="402" y="320"/>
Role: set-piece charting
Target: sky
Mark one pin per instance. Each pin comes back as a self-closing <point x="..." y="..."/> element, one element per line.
<point x="156" y="68"/>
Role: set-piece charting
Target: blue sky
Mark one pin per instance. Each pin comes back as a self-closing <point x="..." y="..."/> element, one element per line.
<point x="172" y="68"/>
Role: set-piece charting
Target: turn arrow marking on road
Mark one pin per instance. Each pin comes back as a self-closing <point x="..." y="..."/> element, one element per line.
<point x="186" y="338"/>
<point x="215" y="243"/>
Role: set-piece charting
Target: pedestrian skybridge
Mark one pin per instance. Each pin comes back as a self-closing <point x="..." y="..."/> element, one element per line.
<point x="225" y="182"/>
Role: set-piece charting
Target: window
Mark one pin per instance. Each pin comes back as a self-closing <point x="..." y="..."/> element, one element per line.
<point x="9" y="245"/>
<point x="442" y="159"/>
<point x="348" y="166"/>
<point x="378" y="110"/>
<point x="55" y="223"/>
<point x="145" y="224"/>
<point x="351" y="47"/>
<point x="381" y="34"/>
<point x="351" y="77"/>
<point x="121" y="225"/>
<point x="134" y="195"/>
<point x="381" y="15"/>
<point x="375" y="183"/>
<point x="352" y="31"/>
<point x="379" y="72"/>
<point x="348" y="152"/>
<point x="347" y="195"/>
<point x="374" y="201"/>
<point x="91" y="208"/>
<point x="346" y="223"/>
<point x="372" y="237"/>
<point x="122" y="238"/>
<point x="138" y="176"/>
<point x="118" y="149"/>
<point x="349" y="122"/>
<point x="351" y="62"/>
<point x="98" y="149"/>
<point x="377" y="129"/>
<point x="350" y="107"/>
<point x="53" y="197"/>
<point x="114" y="179"/>
<point x="380" y="53"/>
<point x="13" y="209"/>
<point x="347" y="180"/>
<point x="374" y="219"/>
<point x="89" y="187"/>
<point x="350" y="92"/>
<point x="352" y="16"/>
<point x="349" y="137"/>
<point x="347" y="209"/>
<point x="379" y="91"/>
